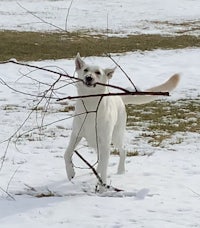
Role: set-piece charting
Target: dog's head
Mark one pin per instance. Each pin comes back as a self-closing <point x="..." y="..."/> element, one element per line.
<point x="92" y="75"/>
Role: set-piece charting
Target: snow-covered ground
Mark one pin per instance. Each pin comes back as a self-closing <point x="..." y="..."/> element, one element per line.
<point x="121" y="17"/>
<point x="161" y="190"/>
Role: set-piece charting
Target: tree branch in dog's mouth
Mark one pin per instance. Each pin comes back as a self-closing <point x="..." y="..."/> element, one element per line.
<point x="88" y="84"/>
<point x="116" y="94"/>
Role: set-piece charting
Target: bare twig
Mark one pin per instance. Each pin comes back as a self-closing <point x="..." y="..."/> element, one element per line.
<point x="3" y="158"/>
<point x="109" y="56"/>
<point x="97" y="175"/>
<point x="67" y="17"/>
<point x="18" y="91"/>
<point x="39" y="18"/>
<point x="8" y="185"/>
<point x="39" y="68"/>
<point x="7" y="193"/>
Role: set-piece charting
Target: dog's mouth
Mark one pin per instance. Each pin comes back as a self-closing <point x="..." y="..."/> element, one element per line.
<point x="89" y="81"/>
<point x="89" y="84"/>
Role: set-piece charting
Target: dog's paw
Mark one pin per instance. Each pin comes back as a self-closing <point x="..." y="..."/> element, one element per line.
<point x="100" y="188"/>
<point x="70" y="171"/>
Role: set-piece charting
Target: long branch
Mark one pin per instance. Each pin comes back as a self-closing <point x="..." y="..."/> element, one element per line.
<point x="129" y="93"/>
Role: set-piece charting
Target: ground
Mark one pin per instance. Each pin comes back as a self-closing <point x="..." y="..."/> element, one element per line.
<point x="161" y="185"/>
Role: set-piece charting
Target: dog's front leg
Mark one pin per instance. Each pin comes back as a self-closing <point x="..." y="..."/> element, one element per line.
<point x="103" y="155"/>
<point x="74" y="140"/>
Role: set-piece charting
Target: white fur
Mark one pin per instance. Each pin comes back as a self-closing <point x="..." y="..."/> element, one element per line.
<point x="102" y="121"/>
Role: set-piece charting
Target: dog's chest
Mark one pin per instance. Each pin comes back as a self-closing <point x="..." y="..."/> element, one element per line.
<point x="97" y="120"/>
<point x="91" y="129"/>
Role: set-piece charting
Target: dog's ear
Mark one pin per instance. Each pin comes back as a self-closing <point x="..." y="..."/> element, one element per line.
<point x="109" y="72"/>
<point x="79" y="62"/>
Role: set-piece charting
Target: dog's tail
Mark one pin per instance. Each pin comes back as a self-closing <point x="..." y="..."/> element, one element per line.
<point x="168" y="86"/>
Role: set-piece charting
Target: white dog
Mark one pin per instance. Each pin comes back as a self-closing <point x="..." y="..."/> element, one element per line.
<point x="102" y="120"/>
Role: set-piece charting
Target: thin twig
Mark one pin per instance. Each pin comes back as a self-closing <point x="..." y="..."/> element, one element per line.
<point x="11" y="137"/>
<point x="7" y="193"/>
<point x="11" y="179"/>
<point x="39" y="18"/>
<point x="109" y="56"/>
<point x="67" y="17"/>
<point x="18" y="91"/>
<point x="39" y="68"/>
<point x="97" y="175"/>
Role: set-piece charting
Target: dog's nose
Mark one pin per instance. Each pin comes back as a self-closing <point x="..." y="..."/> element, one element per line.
<point x="88" y="79"/>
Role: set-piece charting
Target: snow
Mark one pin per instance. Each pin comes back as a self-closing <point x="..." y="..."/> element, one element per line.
<point x="127" y="17"/>
<point x="161" y="189"/>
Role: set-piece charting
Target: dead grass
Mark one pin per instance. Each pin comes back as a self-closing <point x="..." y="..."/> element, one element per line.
<point x="29" y="46"/>
<point x="161" y="120"/>
<point x="129" y="153"/>
<point x="67" y="108"/>
<point x="181" y="27"/>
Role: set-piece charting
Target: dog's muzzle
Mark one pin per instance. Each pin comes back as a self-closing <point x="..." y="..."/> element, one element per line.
<point x="89" y="81"/>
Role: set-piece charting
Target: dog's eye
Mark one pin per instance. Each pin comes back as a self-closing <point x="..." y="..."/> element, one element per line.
<point x="97" y="72"/>
<point x="86" y="70"/>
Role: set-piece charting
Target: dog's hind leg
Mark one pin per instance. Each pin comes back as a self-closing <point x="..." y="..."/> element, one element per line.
<point x="118" y="137"/>
<point x="122" y="155"/>
<point x="121" y="166"/>
<point x="74" y="140"/>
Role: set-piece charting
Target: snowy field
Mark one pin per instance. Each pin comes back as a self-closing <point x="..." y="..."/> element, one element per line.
<point x="160" y="190"/>
<point x="121" y="17"/>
